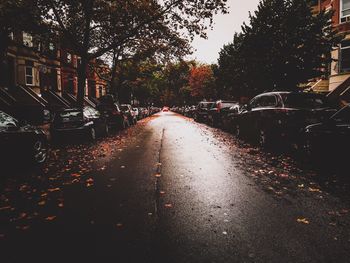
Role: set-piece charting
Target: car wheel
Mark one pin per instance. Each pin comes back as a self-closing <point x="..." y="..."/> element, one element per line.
<point x="309" y="149"/>
<point x="40" y="152"/>
<point x="123" y="124"/>
<point x="92" y="134"/>
<point x="237" y="131"/>
<point x="263" y="139"/>
<point x="106" y="131"/>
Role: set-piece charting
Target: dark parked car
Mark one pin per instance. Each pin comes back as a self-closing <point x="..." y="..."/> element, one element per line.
<point x="86" y="122"/>
<point x="273" y="116"/>
<point x="217" y="110"/>
<point x="129" y="113"/>
<point x="113" y="114"/>
<point x="330" y="138"/>
<point x="21" y="142"/>
<point x="201" y="112"/>
<point x="229" y="118"/>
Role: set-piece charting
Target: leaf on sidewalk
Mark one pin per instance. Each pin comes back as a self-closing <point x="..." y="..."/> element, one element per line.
<point x="303" y="221"/>
<point x="50" y="218"/>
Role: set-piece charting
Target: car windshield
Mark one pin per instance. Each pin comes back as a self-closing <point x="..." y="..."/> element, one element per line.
<point x="304" y="101"/>
<point x="67" y="116"/>
<point x="7" y="120"/>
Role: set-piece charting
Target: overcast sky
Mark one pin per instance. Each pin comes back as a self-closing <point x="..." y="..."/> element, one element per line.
<point x="207" y="51"/>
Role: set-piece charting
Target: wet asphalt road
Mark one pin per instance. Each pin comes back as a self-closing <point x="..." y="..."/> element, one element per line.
<point x="170" y="190"/>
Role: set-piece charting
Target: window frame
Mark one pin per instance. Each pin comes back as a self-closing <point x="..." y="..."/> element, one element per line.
<point x="341" y="56"/>
<point x="343" y="17"/>
<point x="29" y="76"/>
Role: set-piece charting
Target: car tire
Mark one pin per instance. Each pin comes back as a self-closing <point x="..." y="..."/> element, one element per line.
<point x="237" y="131"/>
<point x="107" y="130"/>
<point x="40" y="152"/>
<point x="263" y="138"/>
<point x="92" y="134"/>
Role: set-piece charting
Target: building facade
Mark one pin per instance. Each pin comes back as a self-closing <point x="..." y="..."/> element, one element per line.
<point x="337" y="83"/>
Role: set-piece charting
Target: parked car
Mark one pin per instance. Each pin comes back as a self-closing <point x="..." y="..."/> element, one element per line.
<point x="201" y="112"/>
<point x="85" y="121"/>
<point x="281" y="116"/>
<point x="129" y="113"/>
<point x="330" y="138"/>
<point x="113" y="114"/>
<point x="21" y="142"/>
<point x="137" y="113"/>
<point x="217" y="110"/>
<point x="229" y="117"/>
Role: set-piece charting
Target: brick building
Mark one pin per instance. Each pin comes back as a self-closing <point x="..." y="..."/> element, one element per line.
<point x="338" y="83"/>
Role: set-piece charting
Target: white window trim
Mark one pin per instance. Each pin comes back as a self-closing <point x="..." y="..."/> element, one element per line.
<point x="341" y="13"/>
<point x="27" y="42"/>
<point x="32" y="76"/>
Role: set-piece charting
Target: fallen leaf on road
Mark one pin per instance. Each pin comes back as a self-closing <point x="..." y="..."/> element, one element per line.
<point x="157" y="175"/>
<point x="119" y="225"/>
<point x="314" y="190"/>
<point x="53" y="190"/>
<point x="60" y="205"/>
<point x="224" y="233"/>
<point x="41" y="203"/>
<point x="5" y="208"/>
<point x="168" y="205"/>
<point x="75" y="175"/>
<point x="301" y="185"/>
<point x="123" y="167"/>
<point x="162" y="192"/>
<point x="50" y="218"/>
<point x="303" y="221"/>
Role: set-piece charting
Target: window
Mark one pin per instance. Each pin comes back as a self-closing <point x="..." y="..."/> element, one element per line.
<point x="69" y="58"/>
<point x="345" y="56"/>
<point x="27" y="39"/>
<point x="11" y="36"/>
<point x="345" y="11"/>
<point x="29" y="71"/>
<point x="51" y="46"/>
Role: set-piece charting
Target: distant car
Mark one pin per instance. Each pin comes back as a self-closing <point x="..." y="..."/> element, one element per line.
<point x="129" y="113"/>
<point x="165" y="109"/>
<point x="137" y="113"/>
<point x="21" y="142"/>
<point x="281" y="116"/>
<point x="330" y="138"/>
<point x="86" y="122"/>
<point x="113" y="114"/>
<point x="217" y="110"/>
<point x="201" y="112"/>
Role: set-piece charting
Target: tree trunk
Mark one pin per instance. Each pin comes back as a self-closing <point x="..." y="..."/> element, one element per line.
<point x="113" y="77"/>
<point x="82" y="75"/>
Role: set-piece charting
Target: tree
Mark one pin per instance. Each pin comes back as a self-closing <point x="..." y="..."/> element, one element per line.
<point x="284" y="45"/>
<point x="202" y="82"/>
<point x="96" y="27"/>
